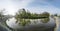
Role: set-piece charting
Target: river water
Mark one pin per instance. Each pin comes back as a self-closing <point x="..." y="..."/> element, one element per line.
<point x="51" y="23"/>
<point x="38" y="25"/>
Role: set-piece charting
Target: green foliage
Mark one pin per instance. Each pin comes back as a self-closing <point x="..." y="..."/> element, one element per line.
<point x="45" y="14"/>
<point x="21" y="15"/>
<point x="27" y="15"/>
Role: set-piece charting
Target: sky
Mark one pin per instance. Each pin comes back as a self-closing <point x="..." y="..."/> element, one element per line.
<point x="34" y="6"/>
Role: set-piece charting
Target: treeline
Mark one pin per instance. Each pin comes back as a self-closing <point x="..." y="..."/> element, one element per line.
<point x="22" y="13"/>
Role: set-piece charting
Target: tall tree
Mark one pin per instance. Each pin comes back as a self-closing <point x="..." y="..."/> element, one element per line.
<point x="2" y="13"/>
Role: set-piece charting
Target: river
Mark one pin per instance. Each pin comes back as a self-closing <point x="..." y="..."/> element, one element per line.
<point x="39" y="26"/>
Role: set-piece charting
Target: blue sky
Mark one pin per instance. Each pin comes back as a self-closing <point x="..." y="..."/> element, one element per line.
<point x="34" y="6"/>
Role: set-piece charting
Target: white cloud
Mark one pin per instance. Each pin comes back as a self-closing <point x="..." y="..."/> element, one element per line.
<point x="13" y="5"/>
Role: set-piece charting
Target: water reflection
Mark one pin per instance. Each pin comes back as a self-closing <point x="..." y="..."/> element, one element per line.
<point x="45" y="20"/>
<point x="38" y="25"/>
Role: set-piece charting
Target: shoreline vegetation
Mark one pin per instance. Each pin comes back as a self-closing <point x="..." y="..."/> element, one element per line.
<point x="22" y="15"/>
<point x="27" y="15"/>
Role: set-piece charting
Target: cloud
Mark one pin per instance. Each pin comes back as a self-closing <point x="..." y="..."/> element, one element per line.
<point x="13" y="5"/>
<point x="51" y="9"/>
<point x="39" y="6"/>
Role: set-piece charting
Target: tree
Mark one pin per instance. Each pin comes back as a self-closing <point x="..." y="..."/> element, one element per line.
<point x="45" y="14"/>
<point x="2" y="14"/>
<point x="55" y="15"/>
<point x="21" y="15"/>
<point x="27" y="15"/>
